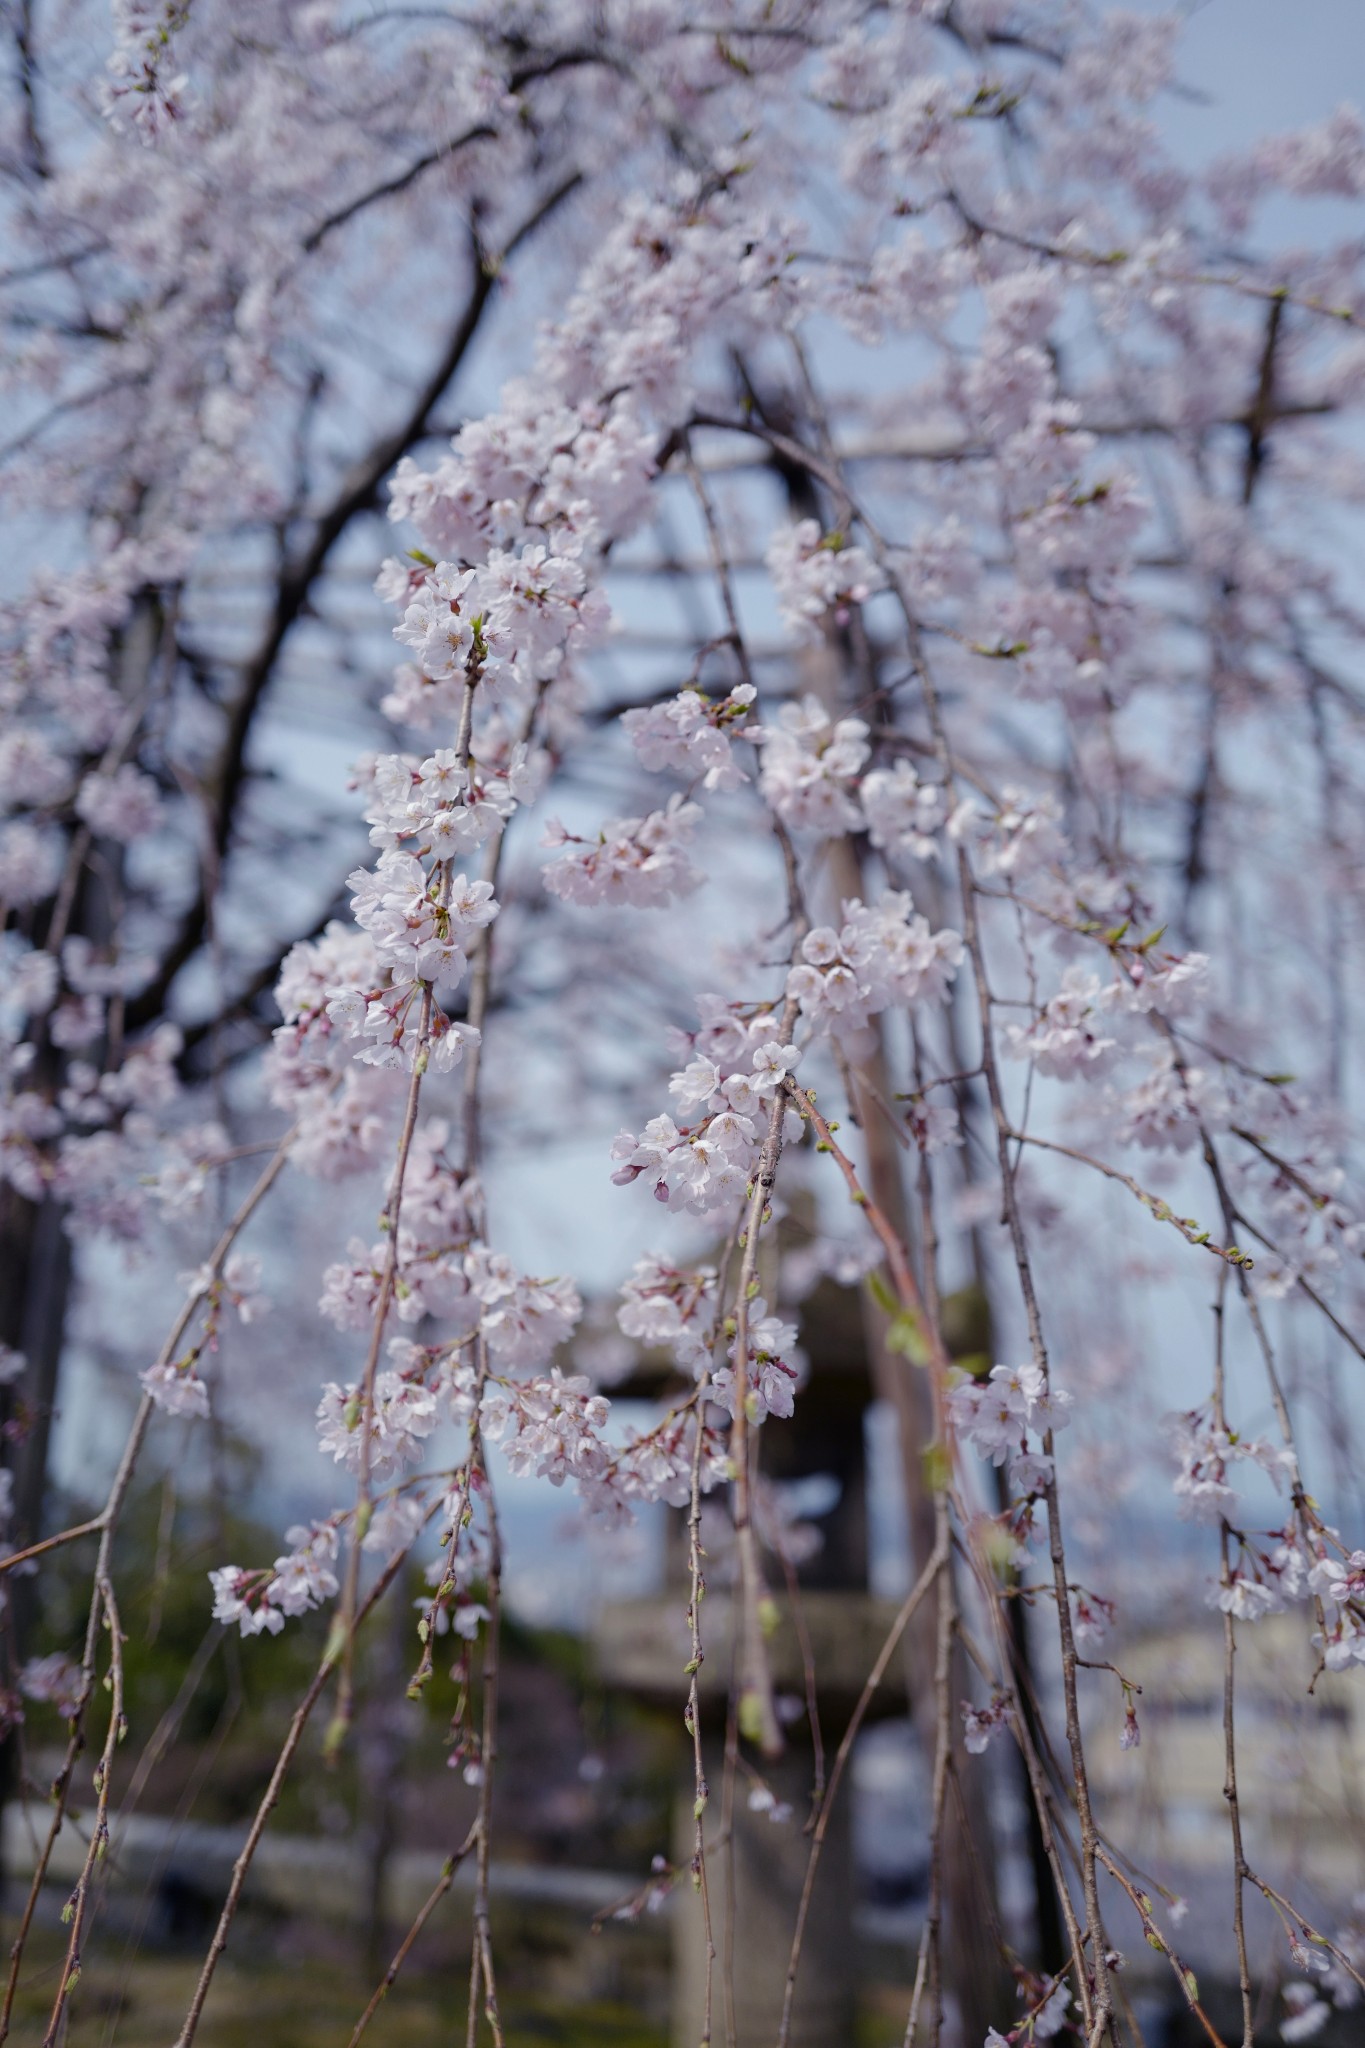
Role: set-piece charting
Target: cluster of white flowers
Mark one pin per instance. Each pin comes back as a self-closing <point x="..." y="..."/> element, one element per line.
<point x="98" y="1142"/>
<point x="1205" y="1453"/>
<point x="124" y="805"/>
<point x="554" y="1427"/>
<point x="443" y="1270"/>
<point x="175" y="1385"/>
<point x="772" y="1372"/>
<point x="1066" y="1038"/>
<point x="1312" y="1214"/>
<point x="1339" y="1586"/>
<point x="141" y="85"/>
<point x="403" y="1413"/>
<point x="522" y="1320"/>
<point x="1286" y="1569"/>
<point x="339" y="1108"/>
<point x="1080" y="1030"/>
<point x="1021" y="841"/>
<point x="816" y="574"/>
<point x="810" y="765"/>
<point x="933" y="1123"/>
<point x="467" y="1286"/>
<point x="703" y="1165"/>
<point x="1271" y="1575"/>
<point x="640" y="861"/>
<point x="176" y="1388"/>
<point x="509" y="625"/>
<point x="902" y="812"/>
<point x="420" y="918"/>
<point x="567" y="457"/>
<point x="1174" y="983"/>
<point x="676" y="1308"/>
<point x="30" y="862"/>
<point x="550" y="1426"/>
<point x="399" y="1516"/>
<point x="996" y="1414"/>
<point x="303" y="1577"/>
<point x="191" y="1158"/>
<point x="692" y="733"/>
<point x="881" y="957"/>
<point x="260" y="1601"/>
<point x="671" y="1307"/>
<point x="1164" y="1112"/>
<point x="56" y="1679"/>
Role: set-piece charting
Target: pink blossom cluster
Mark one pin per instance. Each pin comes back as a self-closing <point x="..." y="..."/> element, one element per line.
<point x="643" y="862"/>
<point x="141" y="84"/>
<point x="996" y="1415"/>
<point x="706" y="1163"/>
<point x="554" y="1427"/>
<point x="510" y="625"/>
<point x="692" y="734"/>
<point x="904" y="814"/>
<point x="1206" y="1453"/>
<point x="881" y="956"/>
<point x="671" y="1308"/>
<point x="818" y="574"/>
<point x="261" y="1601"/>
<point x="810" y="768"/>
<point x="420" y="913"/>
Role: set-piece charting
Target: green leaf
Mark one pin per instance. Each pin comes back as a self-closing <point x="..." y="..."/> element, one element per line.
<point x="750" y="1715"/>
<point x="906" y="1335"/>
<point x="882" y="1294"/>
<point x="937" y="1467"/>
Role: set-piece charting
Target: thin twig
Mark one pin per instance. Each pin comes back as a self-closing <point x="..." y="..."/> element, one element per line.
<point x="405" y="1946"/>
<point x="99" y="1836"/>
<point x="692" y="1718"/>
<point x="1230" y="1791"/>
<point x="109" y="1521"/>
<point x="270" y="1797"/>
<point x="909" y="1608"/>
<point x="488" y="1754"/>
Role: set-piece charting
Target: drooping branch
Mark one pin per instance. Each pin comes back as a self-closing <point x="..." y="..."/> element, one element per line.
<point x="356" y="495"/>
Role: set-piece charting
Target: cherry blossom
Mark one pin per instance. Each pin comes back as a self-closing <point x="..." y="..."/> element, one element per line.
<point x="809" y="767"/>
<point x="640" y="861"/>
<point x="878" y="957"/>
<point x="691" y="734"/>
<point x="903" y="814"/>
<point x="816" y="573"/>
<point x="55" y="1679"/>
